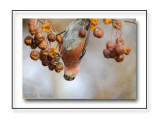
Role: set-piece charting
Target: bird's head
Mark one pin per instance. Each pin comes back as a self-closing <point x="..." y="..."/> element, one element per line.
<point x="70" y="72"/>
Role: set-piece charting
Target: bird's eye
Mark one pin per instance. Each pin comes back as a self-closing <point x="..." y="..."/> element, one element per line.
<point x="73" y="78"/>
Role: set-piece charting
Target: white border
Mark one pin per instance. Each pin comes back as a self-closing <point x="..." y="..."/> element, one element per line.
<point x="18" y="102"/>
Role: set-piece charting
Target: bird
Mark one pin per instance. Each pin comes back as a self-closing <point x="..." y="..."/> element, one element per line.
<point x="74" y="47"/>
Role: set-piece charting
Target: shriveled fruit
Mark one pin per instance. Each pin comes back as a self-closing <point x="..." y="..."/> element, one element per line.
<point x="106" y="53"/>
<point x="82" y="33"/>
<point x="54" y="60"/>
<point x="59" y="67"/>
<point x="120" y="49"/>
<point x="120" y="41"/>
<point x="59" y="38"/>
<point x="117" y="24"/>
<point x="43" y="45"/>
<point x="28" y="40"/>
<point x="53" y="53"/>
<point x="127" y="50"/>
<point x="45" y="62"/>
<point x="94" y="21"/>
<point x="107" y="21"/>
<point x="92" y="27"/>
<point x="46" y="27"/>
<point x="51" y="37"/>
<point x="37" y="30"/>
<point x="40" y="37"/>
<point x="51" y="67"/>
<point x="31" y="21"/>
<point x="98" y="32"/>
<point x="44" y="52"/>
<point x="33" y="28"/>
<point x="113" y="54"/>
<point x="35" y="55"/>
<point x="120" y="58"/>
<point x="110" y="45"/>
<point x="34" y="44"/>
<point x="44" y="55"/>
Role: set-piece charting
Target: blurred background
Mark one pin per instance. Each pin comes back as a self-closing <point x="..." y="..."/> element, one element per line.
<point x="98" y="77"/>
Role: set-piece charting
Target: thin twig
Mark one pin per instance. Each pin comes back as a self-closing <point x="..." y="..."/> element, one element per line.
<point x="133" y="22"/>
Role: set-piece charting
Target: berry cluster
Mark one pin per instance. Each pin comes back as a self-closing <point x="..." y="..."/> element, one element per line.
<point x="48" y="56"/>
<point x="113" y="49"/>
<point x="116" y="50"/>
<point x="97" y="31"/>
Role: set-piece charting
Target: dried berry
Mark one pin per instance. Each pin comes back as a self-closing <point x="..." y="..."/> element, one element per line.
<point x="51" y="37"/>
<point x="54" y="60"/>
<point x="31" y="22"/>
<point x="59" y="38"/>
<point x="92" y="27"/>
<point x="117" y="24"/>
<point x="40" y="37"/>
<point x="110" y="45"/>
<point x="33" y="28"/>
<point x="28" y="40"/>
<point x="44" y="52"/>
<point x="59" y="67"/>
<point x="120" y="49"/>
<point x="37" y="30"/>
<point x="127" y="50"/>
<point x="43" y="45"/>
<point x="120" y="41"/>
<point x="98" y="32"/>
<point x="113" y="54"/>
<point x="94" y="21"/>
<point x="34" y="44"/>
<point x="35" y="55"/>
<point x="45" y="63"/>
<point x="106" y="53"/>
<point x="82" y="33"/>
<point x="51" y="67"/>
<point x="107" y="21"/>
<point x="120" y="58"/>
<point x="44" y="55"/>
<point x="46" y="27"/>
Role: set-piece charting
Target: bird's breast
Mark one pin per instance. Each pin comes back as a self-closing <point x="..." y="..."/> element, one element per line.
<point x="71" y="57"/>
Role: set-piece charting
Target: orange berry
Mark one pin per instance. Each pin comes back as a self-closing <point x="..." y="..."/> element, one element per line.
<point x="117" y="24"/>
<point x="46" y="27"/>
<point x="59" y="67"/>
<point x="59" y="38"/>
<point x="120" y="41"/>
<point x="107" y="21"/>
<point x="94" y="21"/>
<point x="127" y="50"/>
<point x="92" y="27"/>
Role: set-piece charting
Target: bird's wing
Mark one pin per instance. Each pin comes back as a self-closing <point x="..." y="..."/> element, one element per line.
<point x="87" y="38"/>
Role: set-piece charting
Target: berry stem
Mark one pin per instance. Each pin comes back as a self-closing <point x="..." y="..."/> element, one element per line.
<point x="111" y="34"/>
<point x="84" y="23"/>
<point x="133" y="22"/>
